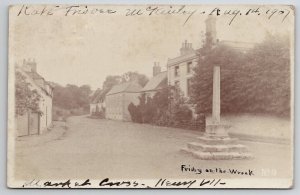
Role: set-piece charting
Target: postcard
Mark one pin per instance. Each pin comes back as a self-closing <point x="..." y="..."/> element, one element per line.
<point x="150" y="96"/>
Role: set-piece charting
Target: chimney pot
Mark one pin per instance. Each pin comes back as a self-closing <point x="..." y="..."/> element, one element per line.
<point x="156" y="69"/>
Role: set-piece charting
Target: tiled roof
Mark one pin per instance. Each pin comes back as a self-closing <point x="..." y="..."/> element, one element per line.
<point x="156" y="81"/>
<point x="125" y="87"/>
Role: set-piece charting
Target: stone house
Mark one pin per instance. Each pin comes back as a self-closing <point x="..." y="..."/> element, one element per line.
<point x="157" y="82"/>
<point x="118" y="99"/>
<point x="34" y="123"/>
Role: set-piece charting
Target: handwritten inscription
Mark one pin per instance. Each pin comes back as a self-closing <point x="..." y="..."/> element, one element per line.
<point x="160" y="183"/>
<point x="187" y="12"/>
<point x="157" y="10"/>
<point x="108" y="183"/>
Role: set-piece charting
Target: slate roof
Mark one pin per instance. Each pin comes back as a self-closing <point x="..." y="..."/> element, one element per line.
<point x="156" y="82"/>
<point x="125" y="87"/>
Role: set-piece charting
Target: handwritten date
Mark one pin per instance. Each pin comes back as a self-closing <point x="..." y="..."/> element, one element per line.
<point x="184" y="11"/>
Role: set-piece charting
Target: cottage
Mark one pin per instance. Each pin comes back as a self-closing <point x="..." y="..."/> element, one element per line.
<point x="157" y="82"/>
<point x="98" y="102"/>
<point x="118" y="99"/>
<point x="35" y="123"/>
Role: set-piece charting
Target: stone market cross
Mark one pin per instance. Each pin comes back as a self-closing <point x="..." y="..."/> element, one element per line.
<point x="215" y="143"/>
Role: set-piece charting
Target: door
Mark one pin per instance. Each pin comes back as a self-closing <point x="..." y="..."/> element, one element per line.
<point x="34" y="124"/>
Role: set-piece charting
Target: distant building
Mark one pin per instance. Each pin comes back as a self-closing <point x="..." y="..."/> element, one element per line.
<point x="118" y="99"/>
<point x="180" y="68"/>
<point x="98" y="101"/>
<point x="35" y="123"/>
<point x="158" y="82"/>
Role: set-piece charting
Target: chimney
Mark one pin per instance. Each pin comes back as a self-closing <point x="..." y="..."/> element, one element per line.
<point x="33" y="65"/>
<point x="156" y="69"/>
<point x="186" y="48"/>
<point x="29" y="65"/>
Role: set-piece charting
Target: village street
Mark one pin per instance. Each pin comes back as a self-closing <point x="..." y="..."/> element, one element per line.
<point x="98" y="148"/>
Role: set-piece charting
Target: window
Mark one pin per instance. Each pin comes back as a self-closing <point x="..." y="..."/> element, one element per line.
<point x="189" y="86"/>
<point x="189" y="67"/>
<point x="177" y="83"/>
<point x="176" y="71"/>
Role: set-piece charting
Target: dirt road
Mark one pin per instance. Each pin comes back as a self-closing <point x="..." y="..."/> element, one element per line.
<point x="94" y="148"/>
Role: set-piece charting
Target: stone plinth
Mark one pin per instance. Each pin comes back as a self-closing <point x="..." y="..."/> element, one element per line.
<point x="217" y="130"/>
<point x="217" y="147"/>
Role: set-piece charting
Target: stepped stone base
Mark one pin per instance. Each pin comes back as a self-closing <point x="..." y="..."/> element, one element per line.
<point x="212" y="147"/>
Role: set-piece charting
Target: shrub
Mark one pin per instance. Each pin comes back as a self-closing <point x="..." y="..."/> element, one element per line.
<point x="166" y="108"/>
<point x="134" y="113"/>
<point x="182" y="116"/>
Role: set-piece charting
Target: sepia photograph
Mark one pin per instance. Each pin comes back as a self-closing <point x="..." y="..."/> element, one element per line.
<point x="150" y="96"/>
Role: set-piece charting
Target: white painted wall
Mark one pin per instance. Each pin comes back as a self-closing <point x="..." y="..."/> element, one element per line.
<point x="183" y="75"/>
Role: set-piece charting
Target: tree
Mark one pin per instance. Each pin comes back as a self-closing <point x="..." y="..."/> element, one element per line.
<point x="110" y="81"/>
<point x="269" y="64"/>
<point x="135" y="76"/>
<point x="84" y="96"/>
<point x="25" y="98"/>
<point x="71" y="96"/>
<point x="253" y="82"/>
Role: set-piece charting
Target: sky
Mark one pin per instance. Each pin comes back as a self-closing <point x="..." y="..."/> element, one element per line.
<point x="84" y="49"/>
